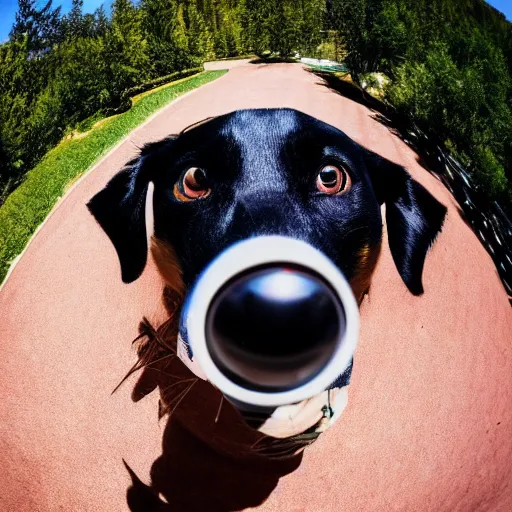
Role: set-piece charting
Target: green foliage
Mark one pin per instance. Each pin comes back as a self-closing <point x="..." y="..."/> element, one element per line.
<point x="200" y="40"/>
<point x="257" y="25"/>
<point x="284" y="27"/>
<point x="126" y="47"/>
<point x="311" y="26"/>
<point x="29" y="205"/>
<point x="449" y="62"/>
<point x="165" y="32"/>
<point x="80" y="78"/>
<point x="126" y="101"/>
<point x="450" y="67"/>
<point x="57" y="71"/>
<point x="41" y="27"/>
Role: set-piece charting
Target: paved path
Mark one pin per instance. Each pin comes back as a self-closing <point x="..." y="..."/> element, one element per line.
<point x="225" y="64"/>
<point x="429" y="420"/>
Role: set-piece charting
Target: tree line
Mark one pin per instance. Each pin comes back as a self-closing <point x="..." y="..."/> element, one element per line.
<point x="60" y="70"/>
<point x="449" y="63"/>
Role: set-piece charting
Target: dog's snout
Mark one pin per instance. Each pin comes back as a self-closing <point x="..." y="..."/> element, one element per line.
<point x="258" y="214"/>
<point x="274" y="328"/>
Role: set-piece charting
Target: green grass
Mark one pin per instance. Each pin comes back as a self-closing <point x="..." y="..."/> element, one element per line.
<point x="27" y="207"/>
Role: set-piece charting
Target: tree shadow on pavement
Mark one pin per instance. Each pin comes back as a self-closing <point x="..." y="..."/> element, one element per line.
<point x="490" y="224"/>
<point x="351" y="91"/>
<point x="211" y="460"/>
<point x="273" y="60"/>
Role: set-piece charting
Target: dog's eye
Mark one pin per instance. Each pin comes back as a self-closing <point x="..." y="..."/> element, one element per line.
<point x="332" y="180"/>
<point x="195" y="183"/>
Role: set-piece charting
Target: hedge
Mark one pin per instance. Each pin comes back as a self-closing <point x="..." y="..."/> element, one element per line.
<point x="126" y="97"/>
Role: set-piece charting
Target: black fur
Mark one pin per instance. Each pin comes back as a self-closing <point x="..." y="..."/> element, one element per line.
<point x="262" y="165"/>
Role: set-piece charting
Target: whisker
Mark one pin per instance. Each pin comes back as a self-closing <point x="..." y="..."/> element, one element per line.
<point x="184" y="395"/>
<point x="154" y="334"/>
<point x="176" y="383"/>
<point x="264" y="438"/>
<point x="167" y="374"/>
<point x="159" y="360"/>
<point x="135" y="145"/>
<point x="175" y="398"/>
<point x="132" y="370"/>
<point x="141" y="335"/>
<point x="220" y="407"/>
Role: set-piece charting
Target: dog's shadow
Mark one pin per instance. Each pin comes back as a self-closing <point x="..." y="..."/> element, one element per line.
<point x="211" y="459"/>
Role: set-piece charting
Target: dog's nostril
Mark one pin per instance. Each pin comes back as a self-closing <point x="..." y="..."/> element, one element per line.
<point x="274" y="329"/>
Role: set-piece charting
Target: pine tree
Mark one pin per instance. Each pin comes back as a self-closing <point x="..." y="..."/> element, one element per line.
<point x="165" y="30"/>
<point x="313" y="21"/>
<point x="200" y="41"/>
<point x="261" y="17"/>
<point x="243" y="17"/>
<point x="126" y="48"/>
<point x="285" y="28"/>
<point x="74" y="26"/>
<point x="230" y="25"/>
<point x="180" y="29"/>
<point x="42" y="27"/>
<point x="15" y="99"/>
<point x="100" y="22"/>
<point x="209" y="9"/>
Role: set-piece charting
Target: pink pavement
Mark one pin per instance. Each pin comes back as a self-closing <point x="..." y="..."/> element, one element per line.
<point x="429" y="421"/>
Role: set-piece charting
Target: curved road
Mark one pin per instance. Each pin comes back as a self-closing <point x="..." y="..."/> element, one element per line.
<point x="429" y="420"/>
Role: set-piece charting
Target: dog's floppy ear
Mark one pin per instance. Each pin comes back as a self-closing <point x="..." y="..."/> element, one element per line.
<point x="120" y="210"/>
<point x="413" y="216"/>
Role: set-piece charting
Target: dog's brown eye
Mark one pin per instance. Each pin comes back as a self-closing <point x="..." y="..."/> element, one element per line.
<point x="195" y="183"/>
<point x="332" y="180"/>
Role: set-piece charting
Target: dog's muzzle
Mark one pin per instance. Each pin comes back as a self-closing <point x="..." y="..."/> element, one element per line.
<point x="270" y="322"/>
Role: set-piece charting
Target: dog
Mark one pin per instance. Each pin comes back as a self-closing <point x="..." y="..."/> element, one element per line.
<point x="267" y="172"/>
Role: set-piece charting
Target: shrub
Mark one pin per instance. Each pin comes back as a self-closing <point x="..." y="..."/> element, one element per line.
<point x="125" y="102"/>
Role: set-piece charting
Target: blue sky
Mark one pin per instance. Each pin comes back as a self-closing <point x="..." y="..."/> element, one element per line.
<point x="505" y="6"/>
<point x="8" y="9"/>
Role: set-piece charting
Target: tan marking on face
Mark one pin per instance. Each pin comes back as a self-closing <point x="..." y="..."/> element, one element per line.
<point x="364" y="255"/>
<point x="360" y="283"/>
<point x="168" y="266"/>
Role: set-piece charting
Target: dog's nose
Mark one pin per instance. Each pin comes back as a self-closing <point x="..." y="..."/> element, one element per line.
<point x="274" y="329"/>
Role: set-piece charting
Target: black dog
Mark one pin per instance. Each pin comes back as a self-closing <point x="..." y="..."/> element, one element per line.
<point x="257" y="172"/>
<point x="267" y="171"/>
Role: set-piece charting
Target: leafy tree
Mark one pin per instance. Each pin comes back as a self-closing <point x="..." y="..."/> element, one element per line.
<point x="460" y="105"/>
<point x="449" y="63"/>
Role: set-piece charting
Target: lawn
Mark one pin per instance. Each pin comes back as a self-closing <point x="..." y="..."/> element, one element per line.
<point x="27" y="207"/>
